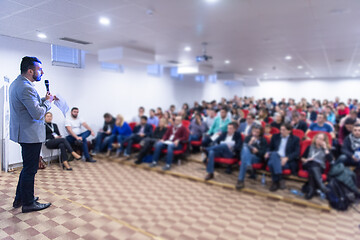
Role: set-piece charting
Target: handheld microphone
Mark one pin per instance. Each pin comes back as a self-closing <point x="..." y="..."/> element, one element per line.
<point x="47" y="85"/>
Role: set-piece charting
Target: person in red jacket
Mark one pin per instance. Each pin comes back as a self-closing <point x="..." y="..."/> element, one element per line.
<point x="174" y="138"/>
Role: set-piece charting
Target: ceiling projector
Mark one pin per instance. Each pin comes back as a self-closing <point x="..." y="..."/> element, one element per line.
<point x="204" y="57"/>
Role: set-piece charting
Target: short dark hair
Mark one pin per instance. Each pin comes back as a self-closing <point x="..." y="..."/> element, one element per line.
<point x="74" y="108"/>
<point x="142" y="108"/>
<point x="144" y="117"/>
<point x="234" y="124"/>
<point x="152" y="110"/>
<point x="288" y="126"/>
<point x="357" y="125"/>
<point x="258" y="126"/>
<point x="350" y="121"/>
<point x="107" y="115"/>
<point x="251" y="115"/>
<point x="28" y="63"/>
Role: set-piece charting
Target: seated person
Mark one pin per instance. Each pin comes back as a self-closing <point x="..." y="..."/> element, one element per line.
<point x="297" y="123"/>
<point x="346" y="129"/>
<point x="353" y="115"/>
<point x="342" y="111"/>
<point x="245" y="127"/>
<point x="253" y="151"/>
<point x="321" y="125"/>
<point x="267" y="130"/>
<point x="73" y="125"/>
<point x="153" y="119"/>
<point x="331" y="117"/>
<point x="314" y="159"/>
<point x="283" y="153"/>
<point x="278" y="120"/>
<point x="174" y="138"/>
<point x="119" y="133"/>
<point x="350" y="150"/>
<point x="103" y="137"/>
<point x="228" y="146"/>
<point x="137" y="118"/>
<point x="197" y="128"/>
<point x="263" y="115"/>
<point x="55" y="141"/>
<point x="149" y="142"/>
<point x="140" y="132"/>
<point x="210" y="117"/>
<point x="219" y="126"/>
<point x="311" y="113"/>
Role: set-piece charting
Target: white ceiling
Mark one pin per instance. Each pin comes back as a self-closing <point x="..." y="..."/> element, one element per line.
<point x="321" y="35"/>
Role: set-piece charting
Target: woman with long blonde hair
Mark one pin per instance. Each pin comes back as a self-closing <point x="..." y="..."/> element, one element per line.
<point x="121" y="131"/>
<point x="314" y="160"/>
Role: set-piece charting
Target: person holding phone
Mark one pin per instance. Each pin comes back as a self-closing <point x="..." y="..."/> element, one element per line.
<point x="314" y="159"/>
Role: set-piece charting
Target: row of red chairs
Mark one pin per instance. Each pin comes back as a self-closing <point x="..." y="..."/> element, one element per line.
<point x="303" y="146"/>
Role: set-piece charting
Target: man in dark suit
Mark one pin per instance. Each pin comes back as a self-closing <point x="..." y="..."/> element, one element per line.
<point x="283" y="153"/>
<point x="228" y="146"/>
<point x="27" y="113"/>
<point x="140" y="132"/>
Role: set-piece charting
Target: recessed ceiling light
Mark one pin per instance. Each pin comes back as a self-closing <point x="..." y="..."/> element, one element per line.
<point x="211" y="1"/>
<point x="41" y="35"/>
<point x="276" y="77"/>
<point x="104" y="21"/>
<point x="356" y="71"/>
<point x="227" y="61"/>
<point x="265" y="74"/>
<point x="307" y="73"/>
<point x="187" y="49"/>
<point x="288" y="57"/>
<point x="251" y="69"/>
<point x="300" y="67"/>
<point x="311" y="76"/>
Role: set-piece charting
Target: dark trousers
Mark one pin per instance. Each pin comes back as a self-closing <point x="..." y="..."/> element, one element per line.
<point x="25" y="189"/>
<point x="134" y="138"/>
<point x="85" y="148"/>
<point x="62" y="144"/>
<point x="206" y="141"/>
<point x="347" y="161"/>
<point x="311" y="167"/>
<point x="146" y="148"/>
<point x="101" y="141"/>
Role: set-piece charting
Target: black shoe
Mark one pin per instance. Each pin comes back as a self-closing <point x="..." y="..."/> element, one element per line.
<point x="240" y="185"/>
<point x="67" y="169"/>
<point x="282" y="185"/>
<point x="209" y="176"/>
<point x="17" y="204"/>
<point x="90" y="160"/>
<point x="274" y="186"/>
<point x="35" y="206"/>
<point x="311" y="191"/>
<point x="138" y="162"/>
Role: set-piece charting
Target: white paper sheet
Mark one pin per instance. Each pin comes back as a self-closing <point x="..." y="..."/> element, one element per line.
<point x="61" y="104"/>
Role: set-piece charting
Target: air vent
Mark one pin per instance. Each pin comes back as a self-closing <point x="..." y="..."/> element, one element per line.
<point x="75" y="41"/>
<point x="173" y="62"/>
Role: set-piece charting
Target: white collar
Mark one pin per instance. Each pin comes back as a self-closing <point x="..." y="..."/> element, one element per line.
<point x="32" y="84"/>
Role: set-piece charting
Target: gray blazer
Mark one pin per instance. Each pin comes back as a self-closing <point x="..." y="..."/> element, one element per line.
<point x="27" y="112"/>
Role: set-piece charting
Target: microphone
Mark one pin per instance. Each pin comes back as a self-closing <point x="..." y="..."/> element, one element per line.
<point x="47" y="85"/>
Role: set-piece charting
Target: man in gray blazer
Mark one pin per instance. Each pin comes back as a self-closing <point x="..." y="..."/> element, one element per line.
<point x="27" y="112"/>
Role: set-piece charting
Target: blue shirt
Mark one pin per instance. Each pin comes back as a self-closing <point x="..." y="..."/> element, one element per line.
<point x="153" y="120"/>
<point x="325" y="128"/>
<point x="282" y="147"/>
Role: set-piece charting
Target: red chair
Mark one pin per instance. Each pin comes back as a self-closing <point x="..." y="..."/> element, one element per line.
<point x="228" y="161"/>
<point x="312" y="134"/>
<point x="196" y="143"/>
<point x="256" y="166"/>
<point x="270" y="120"/>
<point x="299" y="133"/>
<point x="242" y="137"/>
<point x="303" y="173"/>
<point x="177" y="152"/>
<point x="284" y="171"/>
<point x="186" y="123"/>
<point x="274" y="130"/>
<point x="132" y="125"/>
<point x="246" y="112"/>
<point x="263" y="124"/>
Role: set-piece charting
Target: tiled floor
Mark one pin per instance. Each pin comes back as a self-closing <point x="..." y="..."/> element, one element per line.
<point x="108" y="200"/>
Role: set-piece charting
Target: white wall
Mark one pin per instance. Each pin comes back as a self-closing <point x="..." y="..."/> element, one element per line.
<point x="319" y="89"/>
<point x="96" y="91"/>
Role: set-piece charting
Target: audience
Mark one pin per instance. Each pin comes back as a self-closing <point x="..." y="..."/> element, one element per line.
<point x="283" y="153"/>
<point x="174" y="139"/>
<point x="219" y="126"/>
<point x="103" y="137"/>
<point x="54" y="140"/>
<point x="253" y="151"/>
<point x="228" y="145"/>
<point x="149" y="142"/>
<point x="197" y="128"/>
<point x="119" y="133"/>
<point x="321" y="125"/>
<point x="153" y="119"/>
<point x="73" y="125"/>
<point x="297" y="123"/>
<point x="140" y="132"/>
<point x="314" y="159"/>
